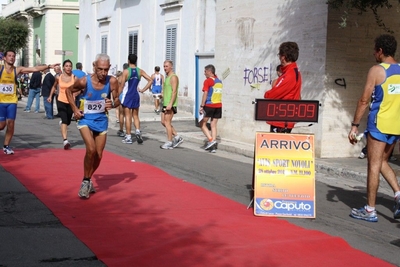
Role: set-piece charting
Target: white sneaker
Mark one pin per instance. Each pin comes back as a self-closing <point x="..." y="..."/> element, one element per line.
<point x="8" y="151"/>
<point x="361" y="156"/>
<point x="66" y="144"/>
<point x="127" y="140"/>
<point x="167" y="145"/>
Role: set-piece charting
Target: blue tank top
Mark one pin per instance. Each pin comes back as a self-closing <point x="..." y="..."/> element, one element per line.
<point x="92" y="101"/>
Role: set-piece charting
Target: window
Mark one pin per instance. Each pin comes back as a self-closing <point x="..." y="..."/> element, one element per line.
<point x="170" y="48"/>
<point x="104" y="44"/>
<point x="133" y="43"/>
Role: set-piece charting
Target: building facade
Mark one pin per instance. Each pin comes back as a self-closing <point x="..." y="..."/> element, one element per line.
<point x="333" y="60"/>
<point x="53" y="28"/>
<point x="154" y="30"/>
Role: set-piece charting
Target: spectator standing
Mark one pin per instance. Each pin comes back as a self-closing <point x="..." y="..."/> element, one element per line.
<point x="211" y="105"/>
<point x="279" y="73"/>
<point x="383" y="127"/>
<point x="288" y="85"/>
<point x="121" y="115"/>
<point x="170" y="106"/>
<point x="47" y="85"/>
<point x="35" y="86"/>
<point x="157" y="88"/>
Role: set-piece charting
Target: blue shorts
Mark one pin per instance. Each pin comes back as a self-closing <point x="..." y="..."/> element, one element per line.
<point x="386" y="138"/>
<point x="8" y="111"/>
<point x="156" y="90"/>
<point x="97" y="125"/>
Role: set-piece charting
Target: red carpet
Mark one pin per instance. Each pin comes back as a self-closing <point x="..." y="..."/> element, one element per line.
<point x="141" y="216"/>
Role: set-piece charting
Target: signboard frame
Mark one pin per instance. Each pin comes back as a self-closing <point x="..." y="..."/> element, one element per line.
<point x="284" y="175"/>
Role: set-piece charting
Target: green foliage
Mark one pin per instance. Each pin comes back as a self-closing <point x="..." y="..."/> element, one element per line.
<point x="362" y="6"/>
<point x="14" y="34"/>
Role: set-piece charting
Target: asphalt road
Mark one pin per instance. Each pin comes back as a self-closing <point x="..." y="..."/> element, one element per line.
<point x="31" y="236"/>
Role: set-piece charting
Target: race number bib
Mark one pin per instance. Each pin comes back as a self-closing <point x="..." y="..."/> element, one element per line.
<point x="94" y="106"/>
<point x="7" y="89"/>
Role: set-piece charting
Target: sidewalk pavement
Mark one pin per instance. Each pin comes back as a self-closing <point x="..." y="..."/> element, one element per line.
<point x="347" y="168"/>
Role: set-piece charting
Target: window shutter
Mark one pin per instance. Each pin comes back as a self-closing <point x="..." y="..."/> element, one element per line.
<point x="104" y="44"/>
<point x="170" y="49"/>
<point x="133" y="43"/>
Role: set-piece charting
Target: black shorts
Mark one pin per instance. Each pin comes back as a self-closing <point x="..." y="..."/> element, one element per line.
<point x="65" y="112"/>
<point x="214" y="113"/>
<point x="174" y="109"/>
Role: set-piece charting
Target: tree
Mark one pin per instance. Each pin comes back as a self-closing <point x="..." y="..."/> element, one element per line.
<point x="363" y="6"/>
<point x="14" y="34"/>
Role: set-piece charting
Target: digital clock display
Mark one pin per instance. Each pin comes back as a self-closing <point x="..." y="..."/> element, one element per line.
<point x="287" y="110"/>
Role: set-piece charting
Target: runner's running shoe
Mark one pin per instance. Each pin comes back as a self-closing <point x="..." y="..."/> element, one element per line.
<point x="139" y="138"/>
<point x="167" y="145"/>
<point x="85" y="189"/>
<point x="396" y="209"/>
<point x="176" y="141"/>
<point x="7" y="150"/>
<point x="363" y="214"/>
<point x="66" y="144"/>
<point x="210" y="144"/>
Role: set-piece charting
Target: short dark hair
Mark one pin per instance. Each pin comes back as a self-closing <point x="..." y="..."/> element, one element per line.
<point x="387" y="43"/>
<point x="210" y="67"/>
<point x="125" y="66"/>
<point x="278" y="68"/>
<point x="66" y="61"/>
<point x="132" y="58"/>
<point x="157" y="68"/>
<point x="9" y="50"/>
<point x="79" y="66"/>
<point x="290" y="50"/>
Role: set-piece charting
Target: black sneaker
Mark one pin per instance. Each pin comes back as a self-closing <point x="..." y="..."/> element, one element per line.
<point x="139" y="138"/>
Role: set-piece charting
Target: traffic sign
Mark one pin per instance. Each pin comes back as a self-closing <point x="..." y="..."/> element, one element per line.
<point x="63" y="52"/>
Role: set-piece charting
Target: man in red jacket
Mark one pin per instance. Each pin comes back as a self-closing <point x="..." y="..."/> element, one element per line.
<point x="288" y="85"/>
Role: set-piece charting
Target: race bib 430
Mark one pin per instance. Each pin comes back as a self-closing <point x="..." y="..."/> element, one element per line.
<point x="7" y="89"/>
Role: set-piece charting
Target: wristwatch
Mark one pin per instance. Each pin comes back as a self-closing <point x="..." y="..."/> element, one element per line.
<point x="355" y="124"/>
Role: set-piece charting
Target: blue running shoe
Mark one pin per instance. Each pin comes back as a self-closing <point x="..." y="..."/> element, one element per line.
<point x="396" y="208"/>
<point x="363" y="214"/>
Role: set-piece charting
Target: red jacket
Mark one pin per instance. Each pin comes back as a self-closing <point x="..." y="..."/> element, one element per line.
<point x="288" y="87"/>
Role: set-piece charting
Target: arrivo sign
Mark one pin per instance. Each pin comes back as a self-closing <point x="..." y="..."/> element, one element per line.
<point x="287" y="110"/>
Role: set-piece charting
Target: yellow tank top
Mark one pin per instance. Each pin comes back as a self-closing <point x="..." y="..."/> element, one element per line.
<point x="62" y="96"/>
<point x="8" y="88"/>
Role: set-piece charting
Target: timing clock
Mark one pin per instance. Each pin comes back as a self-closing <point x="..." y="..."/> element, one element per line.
<point x="287" y="110"/>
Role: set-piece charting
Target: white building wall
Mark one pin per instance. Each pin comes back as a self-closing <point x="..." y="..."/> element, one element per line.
<point x="248" y="37"/>
<point x="151" y="20"/>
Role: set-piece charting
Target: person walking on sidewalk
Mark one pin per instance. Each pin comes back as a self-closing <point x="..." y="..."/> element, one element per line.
<point x="96" y="90"/>
<point x="170" y="106"/>
<point x="383" y="127"/>
<point x="157" y="88"/>
<point x="211" y="106"/>
<point x="8" y="94"/>
<point x="63" y="81"/>
<point x="120" y="109"/>
<point x="35" y="86"/>
<point x="130" y="97"/>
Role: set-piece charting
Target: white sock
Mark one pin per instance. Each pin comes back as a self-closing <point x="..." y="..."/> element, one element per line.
<point x="397" y="194"/>
<point x="369" y="208"/>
